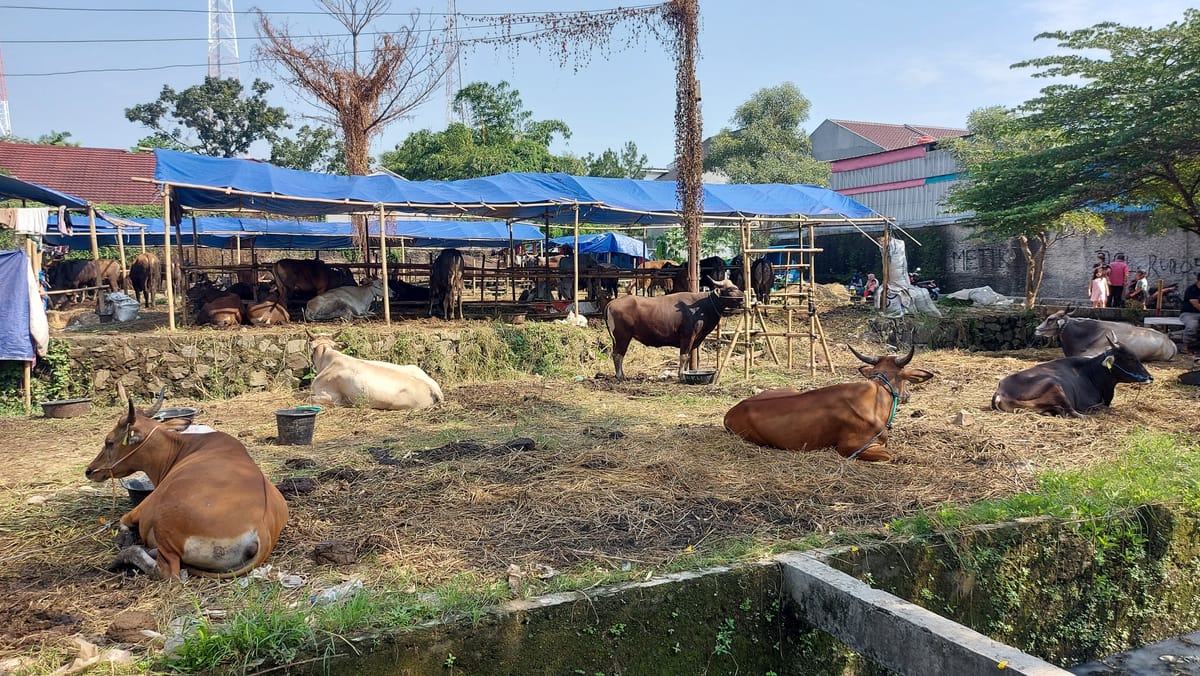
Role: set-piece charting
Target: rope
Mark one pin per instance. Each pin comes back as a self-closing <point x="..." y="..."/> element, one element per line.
<point x="891" y="417"/>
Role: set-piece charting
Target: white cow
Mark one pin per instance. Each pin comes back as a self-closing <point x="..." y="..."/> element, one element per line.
<point x="343" y="380"/>
<point x="344" y="301"/>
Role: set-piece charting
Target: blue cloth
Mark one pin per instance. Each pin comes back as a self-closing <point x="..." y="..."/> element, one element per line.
<point x="16" y="343"/>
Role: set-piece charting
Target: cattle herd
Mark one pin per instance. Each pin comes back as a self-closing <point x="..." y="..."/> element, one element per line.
<point x="214" y="513"/>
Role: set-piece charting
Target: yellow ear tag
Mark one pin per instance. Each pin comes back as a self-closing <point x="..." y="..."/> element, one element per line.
<point x="1108" y="362"/>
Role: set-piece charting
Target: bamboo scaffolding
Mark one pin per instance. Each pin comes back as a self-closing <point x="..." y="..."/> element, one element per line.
<point x="383" y="271"/>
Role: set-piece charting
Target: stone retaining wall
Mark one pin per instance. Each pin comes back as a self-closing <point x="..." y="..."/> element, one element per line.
<point x="215" y="364"/>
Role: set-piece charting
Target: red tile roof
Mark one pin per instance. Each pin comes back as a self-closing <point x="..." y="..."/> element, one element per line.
<point x="98" y="175"/>
<point x="896" y="136"/>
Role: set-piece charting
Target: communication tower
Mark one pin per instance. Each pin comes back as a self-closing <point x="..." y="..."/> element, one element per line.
<point x="222" y="40"/>
<point x="453" y="69"/>
<point x="5" y="122"/>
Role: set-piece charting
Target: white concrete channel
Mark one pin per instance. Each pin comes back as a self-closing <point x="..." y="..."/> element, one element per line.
<point x="894" y="633"/>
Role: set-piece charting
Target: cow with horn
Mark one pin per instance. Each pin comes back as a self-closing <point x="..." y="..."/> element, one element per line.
<point x="852" y="418"/>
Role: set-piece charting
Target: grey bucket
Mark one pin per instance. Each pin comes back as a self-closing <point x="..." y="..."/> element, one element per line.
<point x="296" y="425"/>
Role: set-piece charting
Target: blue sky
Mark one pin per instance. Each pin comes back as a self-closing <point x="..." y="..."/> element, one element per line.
<point x="897" y="61"/>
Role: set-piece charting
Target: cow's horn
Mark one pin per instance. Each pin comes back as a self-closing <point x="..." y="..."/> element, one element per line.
<point x="862" y="357"/>
<point x="1111" y="336"/>
<point x="162" y="393"/>
<point x="912" y="347"/>
<point x="1070" y="310"/>
<point x="308" y="333"/>
<point x="132" y="412"/>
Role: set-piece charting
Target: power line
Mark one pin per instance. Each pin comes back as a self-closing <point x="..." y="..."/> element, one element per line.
<point x="172" y="10"/>
<point x="67" y="41"/>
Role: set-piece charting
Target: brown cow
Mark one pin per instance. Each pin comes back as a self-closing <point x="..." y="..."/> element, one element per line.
<point x="446" y="283"/>
<point x="853" y="418"/>
<point x="303" y="279"/>
<point x="269" y="312"/>
<point x="212" y="512"/>
<point x="646" y="281"/>
<point x="679" y="320"/>
<point x="224" y="311"/>
<point x="145" y="273"/>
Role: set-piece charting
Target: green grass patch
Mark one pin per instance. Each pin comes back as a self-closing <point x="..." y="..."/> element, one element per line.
<point x="1153" y="468"/>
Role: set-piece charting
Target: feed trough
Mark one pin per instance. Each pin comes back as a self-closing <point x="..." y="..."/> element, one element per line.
<point x="700" y="377"/>
<point x="139" y="487"/>
<point x="186" y="412"/>
<point x="66" y="408"/>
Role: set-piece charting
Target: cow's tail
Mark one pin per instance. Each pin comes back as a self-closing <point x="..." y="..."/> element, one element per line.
<point x="996" y="401"/>
<point x="608" y="322"/>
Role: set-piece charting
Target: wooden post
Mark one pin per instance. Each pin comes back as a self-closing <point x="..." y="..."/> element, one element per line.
<point x="575" y="289"/>
<point x="195" y="242"/>
<point x="387" y="306"/>
<point x="512" y="259"/>
<point x="121" y="249"/>
<point x="883" y="280"/>
<point x="27" y="366"/>
<point x="237" y="254"/>
<point x="167" y="257"/>
<point x="95" y="254"/>
<point x="142" y="238"/>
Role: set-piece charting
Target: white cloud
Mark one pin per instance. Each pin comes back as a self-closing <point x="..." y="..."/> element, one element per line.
<point x="1051" y="15"/>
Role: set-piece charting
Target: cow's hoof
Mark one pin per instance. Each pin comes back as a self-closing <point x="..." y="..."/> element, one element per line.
<point x="126" y="537"/>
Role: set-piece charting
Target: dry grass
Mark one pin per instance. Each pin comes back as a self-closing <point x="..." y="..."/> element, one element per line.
<point x="620" y="472"/>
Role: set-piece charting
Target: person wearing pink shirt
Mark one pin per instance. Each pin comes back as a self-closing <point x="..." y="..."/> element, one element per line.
<point x="1118" y="274"/>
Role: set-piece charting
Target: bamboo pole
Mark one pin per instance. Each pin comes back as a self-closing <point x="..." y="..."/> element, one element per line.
<point x="387" y="306"/>
<point x="95" y="253"/>
<point x="883" y="281"/>
<point x="121" y="249"/>
<point x="142" y="239"/>
<point x="575" y="256"/>
<point x="27" y="366"/>
<point x="167" y="257"/>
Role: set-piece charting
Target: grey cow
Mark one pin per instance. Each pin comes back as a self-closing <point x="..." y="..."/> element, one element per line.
<point x="1082" y="337"/>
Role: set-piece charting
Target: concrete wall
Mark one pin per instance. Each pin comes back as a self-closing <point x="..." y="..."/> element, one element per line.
<point x="1173" y="256"/>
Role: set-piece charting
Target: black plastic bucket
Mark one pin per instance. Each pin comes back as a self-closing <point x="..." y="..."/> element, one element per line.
<point x="296" y="425"/>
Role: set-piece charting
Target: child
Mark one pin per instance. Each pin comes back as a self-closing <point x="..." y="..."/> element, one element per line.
<point x="1098" y="288"/>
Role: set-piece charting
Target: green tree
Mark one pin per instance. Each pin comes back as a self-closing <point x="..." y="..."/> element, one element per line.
<point x="57" y="138"/>
<point x="628" y="163"/>
<point x="313" y="149"/>
<point x="1000" y="139"/>
<point x="1124" y="108"/>
<point x="500" y="136"/>
<point x="159" y="140"/>
<point x="212" y="118"/>
<point x="767" y="143"/>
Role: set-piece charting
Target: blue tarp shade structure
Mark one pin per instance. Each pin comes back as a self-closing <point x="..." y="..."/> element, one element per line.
<point x="262" y="233"/>
<point x="210" y="182"/>
<point x="608" y="242"/>
<point x="16" y="343"/>
<point x="15" y="188"/>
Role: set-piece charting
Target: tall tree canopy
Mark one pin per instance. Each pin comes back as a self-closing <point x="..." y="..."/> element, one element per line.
<point x="767" y="143"/>
<point x="1125" y="125"/>
<point x="1000" y="136"/>
<point x="626" y="163"/>
<point x="313" y="149"/>
<point x="501" y="136"/>
<point x="212" y="118"/>
<point x="359" y="95"/>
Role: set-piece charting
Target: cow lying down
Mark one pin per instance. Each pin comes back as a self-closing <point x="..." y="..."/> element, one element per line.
<point x="343" y="380"/>
<point x="212" y="511"/>
<point x="1073" y="385"/>
<point x="853" y="418"/>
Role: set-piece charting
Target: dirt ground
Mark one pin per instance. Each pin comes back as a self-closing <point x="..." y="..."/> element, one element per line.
<point x="605" y="474"/>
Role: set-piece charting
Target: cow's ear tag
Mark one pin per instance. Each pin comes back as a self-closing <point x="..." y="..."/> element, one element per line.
<point x="1108" y="362"/>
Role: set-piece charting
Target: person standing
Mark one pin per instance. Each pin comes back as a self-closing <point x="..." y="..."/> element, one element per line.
<point x="1118" y="273"/>
<point x="1098" y="288"/>
<point x="1189" y="314"/>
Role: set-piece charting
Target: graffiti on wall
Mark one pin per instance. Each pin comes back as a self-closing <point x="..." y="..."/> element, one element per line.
<point x="1170" y="267"/>
<point x="987" y="258"/>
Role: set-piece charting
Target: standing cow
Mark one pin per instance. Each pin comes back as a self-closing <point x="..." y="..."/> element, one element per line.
<point x="680" y="320"/>
<point x="1081" y="337"/>
<point x="762" y="278"/>
<point x="145" y="273"/>
<point x="446" y="283"/>
<point x="1071" y="386"/>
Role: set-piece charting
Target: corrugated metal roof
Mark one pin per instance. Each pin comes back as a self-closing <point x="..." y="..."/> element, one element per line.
<point x="896" y="136"/>
<point x="98" y="175"/>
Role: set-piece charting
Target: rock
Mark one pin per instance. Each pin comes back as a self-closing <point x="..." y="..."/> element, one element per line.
<point x="963" y="418"/>
<point x="297" y="347"/>
<point x="127" y="627"/>
<point x="258" y="379"/>
<point x="189" y="351"/>
<point x="336" y="553"/>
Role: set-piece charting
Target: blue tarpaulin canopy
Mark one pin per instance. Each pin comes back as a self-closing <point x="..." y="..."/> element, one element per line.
<point x="14" y="188"/>
<point x="220" y="183"/>
<point x="608" y="242"/>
